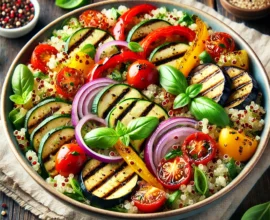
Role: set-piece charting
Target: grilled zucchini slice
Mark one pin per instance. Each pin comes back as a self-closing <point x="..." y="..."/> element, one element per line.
<point x="132" y="108"/>
<point x="216" y="83"/>
<point x="48" y="124"/>
<point x="111" y="96"/>
<point x="244" y="88"/>
<point x="49" y="146"/>
<point x="43" y="110"/>
<point x="141" y="30"/>
<point x="107" y="184"/>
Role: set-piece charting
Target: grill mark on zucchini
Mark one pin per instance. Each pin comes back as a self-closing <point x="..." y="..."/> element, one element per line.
<point x="238" y="75"/>
<point x="102" y="40"/>
<point x="167" y="60"/>
<point x="147" y="110"/>
<point x="241" y="86"/>
<point x="120" y="184"/>
<point x="121" y="167"/>
<point x="125" y="91"/>
<point x="92" y="172"/>
<point x="122" y="115"/>
<point x="208" y="77"/>
<point x="75" y="45"/>
<point x="203" y="93"/>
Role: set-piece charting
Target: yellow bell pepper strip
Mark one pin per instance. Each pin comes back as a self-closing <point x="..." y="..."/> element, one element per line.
<point x="191" y="57"/>
<point x="137" y="164"/>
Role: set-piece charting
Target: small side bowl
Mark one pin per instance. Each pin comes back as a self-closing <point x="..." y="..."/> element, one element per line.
<point x="245" y="14"/>
<point x="21" y="31"/>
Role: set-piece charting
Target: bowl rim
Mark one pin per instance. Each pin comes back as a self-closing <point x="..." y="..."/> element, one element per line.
<point x="103" y="212"/>
<point x="228" y="4"/>
<point x="29" y="25"/>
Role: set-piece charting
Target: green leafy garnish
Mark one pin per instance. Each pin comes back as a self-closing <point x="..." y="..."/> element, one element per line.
<point x="77" y="195"/>
<point x="118" y="208"/>
<point x="17" y="117"/>
<point x="40" y="75"/>
<point x="232" y="168"/>
<point x="71" y="4"/>
<point x="200" y="181"/>
<point x="173" y="154"/>
<point x="22" y="84"/>
<point x="89" y="49"/>
<point x="115" y="13"/>
<point x="193" y="90"/>
<point x="181" y="100"/>
<point x="116" y="75"/>
<point x="171" y="201"/>
<point x="187" y="19"/>
<point x="258" y="212"/>
<point x="135" y="47"/>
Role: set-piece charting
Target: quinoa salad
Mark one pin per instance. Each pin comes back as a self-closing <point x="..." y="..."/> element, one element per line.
<point x="137" y="110"/>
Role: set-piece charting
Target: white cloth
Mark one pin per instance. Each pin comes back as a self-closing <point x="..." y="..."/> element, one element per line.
<point x="16" y="182"/>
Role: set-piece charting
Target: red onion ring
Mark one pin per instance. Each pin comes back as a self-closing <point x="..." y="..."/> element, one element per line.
<point x="109" y="44"/>
<point x="161" y="130"/>
<point x="88" y="150"/>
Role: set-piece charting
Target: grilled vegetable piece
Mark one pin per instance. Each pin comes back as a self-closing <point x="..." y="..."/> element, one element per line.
<point x="111" y="96"/>
<point x="216" y="83"/>
<point x="132" y="108"/>
<point x="107" y="184"/>
<point x="43" y="110"/>
<point x="168" y="54"/>
<point x="48" y="124"/>
<point x="91" y="36"/>
<point x="141" y="30"/>
<point x="244" y="88"/>
<point x="49" y="146"/>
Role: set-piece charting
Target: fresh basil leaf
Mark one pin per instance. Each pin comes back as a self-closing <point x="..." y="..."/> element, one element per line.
<point x="115" y="13"/>
<point x="193" y="90"/>
<point x="89" y="49"/>
<point x="200" y="181"/>
<point x="102" y="138"/>
<point x="135" y="47"/>
<point x="205" y="57"/>
<point x="40" y="75"/>
<point x="120" y="128"/>
<point x="232" y="168"/>
<point x="203" y="107"/>
<point x="70" y="4"/>
<point x="17" y="99"/>
<point x="181" y="100"/>
<point x="187" y="19"/>
<point x="17" y="117"/>
<point x="125" y="139"/>
<point x="173" y="154"/>
<point x="172" y="80"/>
<point x="75" y="196"/>
<point x="171" y="200"/>
<point x="258" y="212"/>
<point x="141" y="128"/>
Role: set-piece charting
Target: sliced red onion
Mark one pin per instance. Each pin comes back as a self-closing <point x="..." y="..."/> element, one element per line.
<point x="77" y="104"/>
<point x="163" y="128"/>
<point x="91" y="153"/>
<point x="173" y="137"/>
<point x="109" y="44"/>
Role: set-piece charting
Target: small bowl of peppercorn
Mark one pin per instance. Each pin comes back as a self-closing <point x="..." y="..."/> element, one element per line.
<point x="18" y="17"/>
<point x="247" y="9"/>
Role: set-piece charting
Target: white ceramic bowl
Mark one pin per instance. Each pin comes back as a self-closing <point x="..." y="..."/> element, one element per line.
<point x="21" y="31"/>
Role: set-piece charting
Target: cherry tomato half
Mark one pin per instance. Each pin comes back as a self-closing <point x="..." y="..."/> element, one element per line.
<point x="69" y="159"/>
<point x="148" y="198"/>
<point x="92" y="18"/>
<point x="200" y="148"/>
<point x="174" y="172"/>
<point x="141" y="74"/>
<point x="219" y="43"/>
<point x="41" y="56"/>
<point x="68" y="82"/>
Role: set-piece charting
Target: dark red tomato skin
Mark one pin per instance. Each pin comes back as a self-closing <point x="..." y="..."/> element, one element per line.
<point x="151" y="198"/>
<point x="68" y="82"/>
<point x="219" y="43"/>
<point x="70" y="159"/>
<point x="180" y="164"/>
<point x="92" y="18"/>
<point x="41" y="55"/>
<point x="141" y="74"/>
<point x="199" y="155"/>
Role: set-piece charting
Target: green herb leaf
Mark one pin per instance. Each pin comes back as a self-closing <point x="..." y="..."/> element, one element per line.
<point x="186" y="18"/>
<point x="70" y="4"/>
<point x="135" y="47"/>
<point x="200" y="181"/>
<point x="120" y="128"/>
<point x="17" y="117"/>
<point x="89" y="49"/>
<point x="172" y="80"/>
<point x="205" y="57"/>
<point x="40" y="75"/>
<point x="141" y="128"/>
<point x="258" y="212"/>
<point x="181" y="100"/>
<point x="115" y="13"/>
<point x="118" y="208"/>
<point x="22" y="84"/>
<point x="173" y="154"/>
<point x="125" y="139"/>
<point x="77" y="195"/>
<point x="117" y="76"/>
<point x="203" y="107"/>
<point x="171" y="201"/>
<point x="102" y="138"/>
<point x="232" y="168"/>
<point x="193" y="90"/>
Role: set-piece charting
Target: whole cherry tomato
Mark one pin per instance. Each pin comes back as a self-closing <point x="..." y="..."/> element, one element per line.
<point x="69" y="159"/>
<point x="141" y="74"/>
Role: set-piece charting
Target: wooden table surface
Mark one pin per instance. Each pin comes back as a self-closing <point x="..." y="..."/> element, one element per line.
<point x="10" y="47"/>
